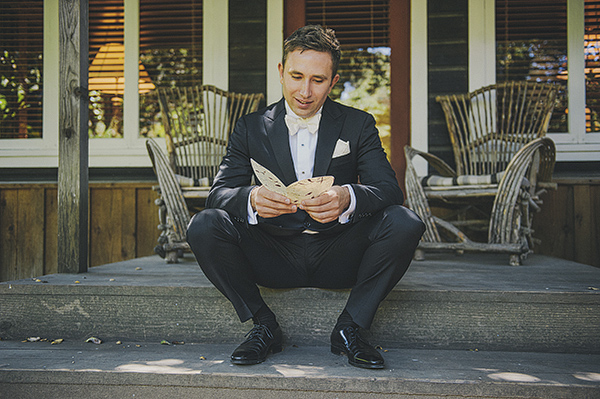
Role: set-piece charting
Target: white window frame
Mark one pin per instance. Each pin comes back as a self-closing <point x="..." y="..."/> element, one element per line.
<point x="129" y="151"/>
<point x="574" y="145"/>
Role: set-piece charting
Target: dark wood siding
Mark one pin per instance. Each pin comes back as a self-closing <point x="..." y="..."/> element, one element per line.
<point x="248" y="46"/>
<point x="448" y="56"/>
<point x="123" y="225"/>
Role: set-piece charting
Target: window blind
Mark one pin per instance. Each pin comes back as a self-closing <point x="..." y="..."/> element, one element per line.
<point x="362" y="28"/>
<point x="171" y="41"/>
<point x="357" y="24"/>
<point x="21" y="68"/>
<point x="531" y="44"/>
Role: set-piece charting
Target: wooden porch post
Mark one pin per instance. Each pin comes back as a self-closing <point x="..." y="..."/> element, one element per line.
<point x="73" y="137"/>
<point x="400" y="85"/>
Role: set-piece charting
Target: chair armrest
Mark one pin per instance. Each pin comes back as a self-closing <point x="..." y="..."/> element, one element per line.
<point x="509" y="188"/>
<point x="437" y="163"/>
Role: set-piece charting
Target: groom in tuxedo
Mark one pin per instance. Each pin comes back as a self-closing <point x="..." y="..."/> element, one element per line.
<point x="355" y="235"/>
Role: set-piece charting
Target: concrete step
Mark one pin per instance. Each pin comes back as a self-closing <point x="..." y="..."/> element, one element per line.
<point x="446" y="302"/>
<point x="74" y="369"/>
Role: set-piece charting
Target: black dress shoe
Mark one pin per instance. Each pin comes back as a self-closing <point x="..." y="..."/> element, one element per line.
<point x="259" y="342"/>
<point x="360" y="353"/>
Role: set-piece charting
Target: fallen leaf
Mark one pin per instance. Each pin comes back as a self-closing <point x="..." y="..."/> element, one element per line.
<point x="77" y="282"/>
<point x="202" y="358"/>
<point x="593" y="288"/>
<point x="178" y="342"/>
<point x="378" y="347"/>
<point x="138" y="346"/>
<point x="57" y="341"/>
<point x="138" y="268"/>
<point x="94" y="340"/>
<point x="32" y="339"/>
<point x="112" y="279"/>
<point x="118" y="342"/>
<point x="165" y="342"/>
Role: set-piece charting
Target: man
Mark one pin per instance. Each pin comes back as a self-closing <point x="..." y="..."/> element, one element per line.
<point x="355" y="235"/>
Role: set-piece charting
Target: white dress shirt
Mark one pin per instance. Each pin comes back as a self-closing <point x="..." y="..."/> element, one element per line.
<point x="303" y="146"/>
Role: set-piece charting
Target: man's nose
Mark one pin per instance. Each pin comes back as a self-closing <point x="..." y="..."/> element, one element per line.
<point x="305" y="90"/>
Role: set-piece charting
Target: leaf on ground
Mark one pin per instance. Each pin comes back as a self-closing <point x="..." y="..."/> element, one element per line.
<point x="165" y="342"/>
<point x="57" y="341"/>
<point x="94" y="340"/>
<point x="32" y="339"/>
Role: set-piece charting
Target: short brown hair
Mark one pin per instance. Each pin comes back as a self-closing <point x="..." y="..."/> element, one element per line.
<point x="314" y="37"/>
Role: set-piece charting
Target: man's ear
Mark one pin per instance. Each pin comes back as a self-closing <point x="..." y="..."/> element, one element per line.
<point x="334" y="81"/>
<point x="280" y="68"/>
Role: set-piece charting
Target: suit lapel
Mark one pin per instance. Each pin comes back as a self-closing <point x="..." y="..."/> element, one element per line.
<point x="329" y="133"/>
<point x="278" y="136"/>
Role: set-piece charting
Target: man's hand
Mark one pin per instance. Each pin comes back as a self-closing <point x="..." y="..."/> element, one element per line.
<point x="328" y="206"/>
<point x="269" y="204"/>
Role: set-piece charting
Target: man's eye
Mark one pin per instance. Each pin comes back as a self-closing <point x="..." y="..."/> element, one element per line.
<point x="296" y="77"/>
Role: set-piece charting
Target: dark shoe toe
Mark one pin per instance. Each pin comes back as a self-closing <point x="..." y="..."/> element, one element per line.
<point x="259" y="342"/>
<point x="360" y="353"/>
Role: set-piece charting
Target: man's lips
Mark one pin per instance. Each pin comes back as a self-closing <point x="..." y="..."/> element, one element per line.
<point x="303" y="102"/>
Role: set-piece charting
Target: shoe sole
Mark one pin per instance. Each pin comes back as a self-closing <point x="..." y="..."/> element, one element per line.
<point x="342" y="351"/>
<point x="275" y="348"/>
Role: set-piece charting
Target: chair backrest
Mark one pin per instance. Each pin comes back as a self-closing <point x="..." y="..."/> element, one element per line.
<point x="488" y="126"/>
<point x="198" y="121"/>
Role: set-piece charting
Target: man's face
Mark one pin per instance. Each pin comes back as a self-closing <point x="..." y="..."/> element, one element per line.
<point x="306" y="80"/>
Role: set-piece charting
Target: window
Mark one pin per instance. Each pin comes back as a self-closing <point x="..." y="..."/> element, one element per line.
<point x="106" y="71"/>
<point x="21" y="68"/>
<point x="531" y="41"/>
<point x="170" y="44"/>
<point x="170" y="53"/>
<point x="362" y="27"/>
<point x="556" y="41"/>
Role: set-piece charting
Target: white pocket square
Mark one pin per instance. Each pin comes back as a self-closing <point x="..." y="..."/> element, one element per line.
<point x="341" y="148"/>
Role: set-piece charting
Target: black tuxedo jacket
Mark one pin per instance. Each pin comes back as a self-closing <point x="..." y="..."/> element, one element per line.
<point x="263" y="136"/>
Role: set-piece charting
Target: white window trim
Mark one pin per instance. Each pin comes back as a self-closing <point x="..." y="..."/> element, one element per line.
<point x="574" y="145"/>
<point x="418" y="75"/>
<point x="130" y="151"/>
<point x="275" y="15"/>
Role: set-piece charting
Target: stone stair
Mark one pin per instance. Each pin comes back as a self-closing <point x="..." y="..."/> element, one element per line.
<point x="468" y="326"/>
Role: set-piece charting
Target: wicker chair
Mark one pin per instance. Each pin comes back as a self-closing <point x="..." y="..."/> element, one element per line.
<point x="173" y="212"/>
<point x="488" y="128"/>
<point x="198" y="122"/>
<point x="510" y="222"/>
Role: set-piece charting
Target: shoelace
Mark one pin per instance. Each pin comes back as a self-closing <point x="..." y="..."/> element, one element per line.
<point x="258" y="331"/>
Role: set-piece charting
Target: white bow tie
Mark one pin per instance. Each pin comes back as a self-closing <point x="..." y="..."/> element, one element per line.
<point x="294" y="124"/>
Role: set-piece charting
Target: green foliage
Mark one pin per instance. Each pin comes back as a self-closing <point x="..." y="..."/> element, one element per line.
<point x="20" y="87"/>
<point x="365" y="84"/>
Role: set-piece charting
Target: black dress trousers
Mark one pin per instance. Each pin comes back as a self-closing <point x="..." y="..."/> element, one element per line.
<point x="369" y="257"/>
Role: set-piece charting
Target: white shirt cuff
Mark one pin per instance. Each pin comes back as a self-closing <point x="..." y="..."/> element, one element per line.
<point x="345" y="217"/>
<point x="252" y="214"/>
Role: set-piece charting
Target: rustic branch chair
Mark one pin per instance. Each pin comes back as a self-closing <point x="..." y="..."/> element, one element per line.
<point x="488" y="128"/>
<point x="510" y="222"/>
<point x="198" y="121"/>
<point x="173" y="212"/>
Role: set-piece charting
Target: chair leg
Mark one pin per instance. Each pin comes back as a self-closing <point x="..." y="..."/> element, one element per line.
<point x="515" y="260"/>
<point x="171" y="256"/>
<point x="419" y="255"/>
